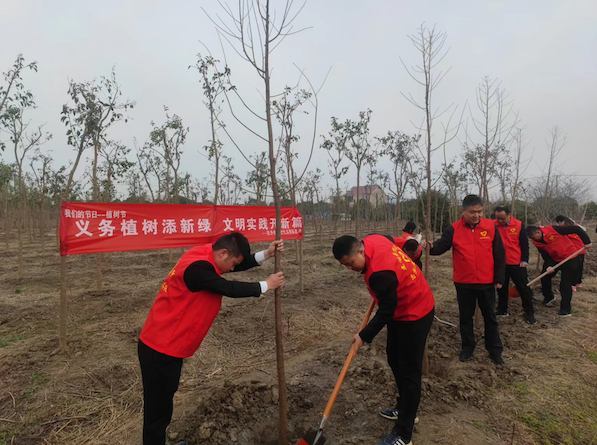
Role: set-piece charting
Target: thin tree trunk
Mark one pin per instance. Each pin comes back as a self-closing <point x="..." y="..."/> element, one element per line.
<point x="282" y="391"/>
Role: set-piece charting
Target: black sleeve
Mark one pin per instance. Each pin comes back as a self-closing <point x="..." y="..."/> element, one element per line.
<point x="201" y="275"/>
<point x="384" y="284"/>
<point x="573" y="230"/>
<point x="443" y="244"/>
<point x="524" y="244"/>
<point x="248" y="263"/>
<point x="499" y="259"/>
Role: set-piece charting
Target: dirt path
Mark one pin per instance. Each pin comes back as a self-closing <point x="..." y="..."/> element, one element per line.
<point x="545" y="393"/>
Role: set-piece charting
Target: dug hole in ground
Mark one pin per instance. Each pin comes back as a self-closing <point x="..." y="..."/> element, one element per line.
<point x="544" y="395"/>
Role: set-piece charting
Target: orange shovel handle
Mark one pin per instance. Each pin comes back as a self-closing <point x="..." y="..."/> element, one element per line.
<point x="342" y="375"/>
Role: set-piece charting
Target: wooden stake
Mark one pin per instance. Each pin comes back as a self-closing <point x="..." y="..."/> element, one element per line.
<point x="63" y="347"/>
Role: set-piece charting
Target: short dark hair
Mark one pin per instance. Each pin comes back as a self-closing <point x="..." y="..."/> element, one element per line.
<point x="411" y="245"/>
<point x="410" y="227"/>
<point x="502" y="209"/>
<point x="235" y="243"/>
<point x="345" y="245"/>
<point x="565" y="220"/>
<point x="532" y="229"/>
<point x="471" y="200"/>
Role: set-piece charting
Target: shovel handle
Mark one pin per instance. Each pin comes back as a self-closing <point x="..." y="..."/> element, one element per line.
<point x="347" y="362"/>
<point x="575" y="254"/>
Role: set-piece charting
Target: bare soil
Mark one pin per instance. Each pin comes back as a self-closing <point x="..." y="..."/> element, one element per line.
<point x="545" y="394"/>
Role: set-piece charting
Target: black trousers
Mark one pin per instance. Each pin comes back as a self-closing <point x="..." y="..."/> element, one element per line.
<point x="405" y="348"/>
<point x="568" y="277"/>
<point x="467" y="303"/>
<point x="581" y="266"/>
<point x="519" y="277"/>
<point x="160" y="374"/>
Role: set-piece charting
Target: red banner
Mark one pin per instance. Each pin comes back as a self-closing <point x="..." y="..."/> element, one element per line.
<point x="87" y="227"/>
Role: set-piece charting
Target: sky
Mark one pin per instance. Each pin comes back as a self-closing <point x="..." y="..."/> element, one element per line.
<point x="542" y="52"/>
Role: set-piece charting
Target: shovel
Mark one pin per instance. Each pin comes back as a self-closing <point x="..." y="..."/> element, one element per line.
<point x="315" y="437"/>
<point x="513" y="293"/>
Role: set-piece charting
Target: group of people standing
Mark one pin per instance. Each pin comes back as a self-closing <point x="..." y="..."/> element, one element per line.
<point x="486" y="255"/>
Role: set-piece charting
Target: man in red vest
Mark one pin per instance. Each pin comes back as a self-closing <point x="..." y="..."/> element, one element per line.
<point x="554" y="245"/>
<point x="562" y="221"/>
<point x="408" y="230"/>
<point x="186" y="305"/>
<point x="412" y="248"/>
<point x="479" y="263"/>
<point x="406" y="306"/>
<point x="516" y="244"/>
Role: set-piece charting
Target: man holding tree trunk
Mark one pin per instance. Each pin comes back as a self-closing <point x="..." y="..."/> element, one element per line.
<point x="186" y="306"/>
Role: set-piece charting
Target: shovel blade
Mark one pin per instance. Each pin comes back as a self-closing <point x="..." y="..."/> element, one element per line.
<point x="309" y="439"/>
<point x="513" y="292"/>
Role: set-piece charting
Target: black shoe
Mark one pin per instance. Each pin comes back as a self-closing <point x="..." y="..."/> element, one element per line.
<point x="496" y="359"/>
<point x="564" y="314"/>
<point x="548" y="301"/>
<point x="466" y="356"/>
<point x="392" y="414"/>
<point x="182" y="443"/>
<point x="530" y="318"/>
<point x="394" y="439"/>
<point x="502" y="313"/>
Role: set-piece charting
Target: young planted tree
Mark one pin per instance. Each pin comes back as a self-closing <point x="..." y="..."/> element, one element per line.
<point x="400" y="148"/>
<point x="495" y="126"/>
<point x="259" y="178"/>
<point x="521" y="165"/>
<point x="167" y="142"/>
<point x="335" y="145"/>
<point x="429" y="43"/>
<point x="254" y="31"/>
<point x="23" y="141"/>
<point x="13" y="93"/>
<point x="41" y="166"/>
<point x="214" y="84"/>
<point x="357" y="149"/>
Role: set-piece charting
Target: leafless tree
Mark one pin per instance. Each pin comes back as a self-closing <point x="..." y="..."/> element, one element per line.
<point x="430" y="43"/>
<point x="495" y="125"/>
<point x="254" y="31"/>
<point x="521" y="165"/>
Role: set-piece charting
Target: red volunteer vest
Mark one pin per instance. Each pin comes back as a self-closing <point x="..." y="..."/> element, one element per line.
<point x="400" y="242"/>
<point x="511" y="238"/>
<point x="415" y="299"/>
<point x="559" y="247"/>
<point x="179" y="319"/>
<point x="472" y="252"/>
<point x="406" y="235"/>
<point x="578" y="243"/>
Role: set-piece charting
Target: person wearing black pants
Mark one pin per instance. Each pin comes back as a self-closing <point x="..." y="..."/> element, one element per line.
<point x="406" y="306"/>
<point x="406" y="361"/>
<point x="184" y="310"/>
<point x="555" y="245"/>
<point x="479" y="263"/>
<point x="468" y="297"/>
<point x="160" y="374"/>
<point x="568" y="277"/>
<point x="520" y="278"/>
<point x="516" y="244"/>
